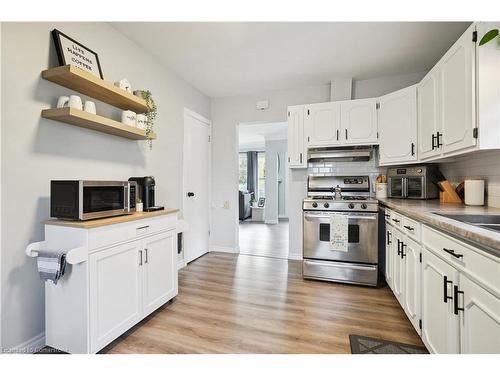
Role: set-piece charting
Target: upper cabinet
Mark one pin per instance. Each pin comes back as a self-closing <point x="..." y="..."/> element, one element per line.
<point x="322" y="124"/>
<point x="397" y="126"/>
<point x="359" y="121"/>
<point x="297" y="151"/>
<point x="446" y="101"/>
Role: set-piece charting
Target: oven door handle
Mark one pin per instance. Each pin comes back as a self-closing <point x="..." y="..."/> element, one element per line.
<point x="349" y="216"/>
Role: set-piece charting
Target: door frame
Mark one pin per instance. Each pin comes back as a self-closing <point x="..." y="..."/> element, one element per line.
<point x="190" y="113"/>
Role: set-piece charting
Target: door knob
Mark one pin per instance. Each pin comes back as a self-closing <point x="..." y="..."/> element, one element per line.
<point x="190" y="194"/>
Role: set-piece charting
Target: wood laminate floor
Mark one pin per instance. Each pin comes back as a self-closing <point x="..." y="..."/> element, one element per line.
<point x="269" y="240"/>
<point x="248" y="304"/>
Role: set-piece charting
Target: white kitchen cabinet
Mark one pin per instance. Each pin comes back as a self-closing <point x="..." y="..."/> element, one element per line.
<point x="115" y="292"/>
<point x="389" y="256"/>
<point x="428" y="114"/>
<point x="398" y="267"/>
<point x="297" y="150"/>
<point x="412" y="274"/>
<point x="480" y="319"/>
<point x="159" y="255"/>
<point x="457" y="95"/>
<point x="397" y="126"/>
<point x="322" y="124"/>
<point x="440" y="328"/>
<point x="359" y="121"/>
<point x="127" y="271"/>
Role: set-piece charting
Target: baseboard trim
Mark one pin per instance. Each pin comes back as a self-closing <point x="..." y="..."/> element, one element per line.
<point x="30" y="346"/>
<point x="271" y="222"/>
<point x="224" y="249"/>
<point x="181" y="265"/>
<point x="295" y="256"/>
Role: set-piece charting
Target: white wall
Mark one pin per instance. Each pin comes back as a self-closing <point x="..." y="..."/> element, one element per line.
<point x="227" y="113"/>
<point x="35" y="150"/>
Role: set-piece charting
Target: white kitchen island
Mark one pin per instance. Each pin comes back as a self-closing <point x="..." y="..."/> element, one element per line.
<point x="125" y="268"/>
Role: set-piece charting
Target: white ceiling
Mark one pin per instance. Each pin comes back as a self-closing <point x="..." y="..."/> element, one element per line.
<point x="253" y="136"/>
<point x="226" y="59"/>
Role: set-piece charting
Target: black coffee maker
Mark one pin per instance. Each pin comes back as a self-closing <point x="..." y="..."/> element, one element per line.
<point x="146" y="192"/>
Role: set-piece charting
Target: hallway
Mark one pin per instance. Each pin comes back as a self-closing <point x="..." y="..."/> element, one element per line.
<point x="269" y="240"/>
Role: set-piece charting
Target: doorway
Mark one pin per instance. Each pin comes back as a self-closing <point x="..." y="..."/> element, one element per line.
<point x="263" y="186"/>
<point x="196" y="183"/>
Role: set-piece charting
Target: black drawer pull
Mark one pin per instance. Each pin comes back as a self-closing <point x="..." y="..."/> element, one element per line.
<point x="399" y="247"/>
<point x="408" y="227"/>
<point x="387" y="216"/>
<point x="396" y="220"/>
<point x="446" y="297"/>
<point x="456" y="292"/>
<point x="403" y="249"/>
<point x="452" y="252"/>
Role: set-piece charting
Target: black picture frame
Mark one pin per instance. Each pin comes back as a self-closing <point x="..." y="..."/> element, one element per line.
<point x="62" y="57"/>
<point x="261" y="202"/>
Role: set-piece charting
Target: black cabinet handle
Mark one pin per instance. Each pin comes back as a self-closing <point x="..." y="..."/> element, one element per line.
<point x="301" y="158"/>
<point x="399" y="247"/>
<point x="146" y="253"/>
<point x="446" y="297"/>
<point x="412" y="149"/>
<point x="396" y="220"/>
<point x="387" y="216"/>
<point x="389" y="238"/>
<point x="403" y="249"/>
<point x="439" y="144"/>
<point x="452" y="252"/>
<point x="346" y="134"/>
<point x="337" y="134"/>
<point x="433" y="139"/>
<point x="408" y="227"/>
<point x="140" y="254"/>
<point x="456" y="292"/>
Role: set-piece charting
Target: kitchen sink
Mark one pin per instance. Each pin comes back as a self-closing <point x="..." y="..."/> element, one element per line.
<point x="491" y="222"/>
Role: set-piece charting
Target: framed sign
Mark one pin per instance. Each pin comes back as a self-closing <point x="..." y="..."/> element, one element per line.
<point x="69" y="51"/>
<point x="262" y="202"/>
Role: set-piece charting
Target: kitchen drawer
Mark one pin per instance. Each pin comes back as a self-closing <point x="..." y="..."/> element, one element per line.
<point x="481" y="266"/>
<point x="388" y="214"/>
<point x="396" y="220"/>
<point x="112" y="234"/>
<point x="412" y="228"/>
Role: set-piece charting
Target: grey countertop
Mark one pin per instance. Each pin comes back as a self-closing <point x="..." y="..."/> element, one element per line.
<point x="427" y="212"/>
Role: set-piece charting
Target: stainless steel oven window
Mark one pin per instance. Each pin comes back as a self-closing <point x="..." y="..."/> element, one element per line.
<point x="415" y="187"/>
<point x="396" y="187"/>
<point x="123" y="190"/>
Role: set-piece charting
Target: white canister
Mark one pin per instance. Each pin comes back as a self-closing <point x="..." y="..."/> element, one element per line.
<point x="139" y="207"/>
<point x="128" y="118"/>
<point x="474" y="192"/>
<point x="141" y="121"/>
<point x="381" y="190"/>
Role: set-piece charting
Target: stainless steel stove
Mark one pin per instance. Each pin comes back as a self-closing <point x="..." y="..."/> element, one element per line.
<point x="341" y="195"/>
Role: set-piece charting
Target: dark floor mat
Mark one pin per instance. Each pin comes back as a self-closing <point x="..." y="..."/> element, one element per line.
<point x="372" y="345"/>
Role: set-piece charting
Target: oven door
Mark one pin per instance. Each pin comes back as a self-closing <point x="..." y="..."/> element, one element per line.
<point x="397" y="187"/>
<point x="362" y="237"/>
<point x="103" y="199"/>
<point x="415" y="187"/>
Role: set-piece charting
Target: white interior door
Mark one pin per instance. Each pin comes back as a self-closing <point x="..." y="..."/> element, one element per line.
<point x="196" y="184"/>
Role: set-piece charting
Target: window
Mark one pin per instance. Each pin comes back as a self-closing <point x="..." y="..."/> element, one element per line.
<point x="243" y="171"/>
<point x="261" y="189"/>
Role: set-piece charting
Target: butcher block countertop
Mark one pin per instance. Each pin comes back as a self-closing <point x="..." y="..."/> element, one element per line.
<point x="89" y="224"/>
<point x="427" y="212"/>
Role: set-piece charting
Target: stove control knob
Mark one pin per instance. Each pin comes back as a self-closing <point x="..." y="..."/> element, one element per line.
<point x="364" y="206"/>
<point x="315" y="204"/>
<point x="351" y="205"/>
<point x="326" y="205"/>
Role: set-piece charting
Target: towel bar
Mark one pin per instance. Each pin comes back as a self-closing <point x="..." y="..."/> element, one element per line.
<point x="73" y="256"/>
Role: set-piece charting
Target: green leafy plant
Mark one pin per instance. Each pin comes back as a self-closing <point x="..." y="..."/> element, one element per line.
<point x="489" y="36"/>
<point x="151" y="114"/>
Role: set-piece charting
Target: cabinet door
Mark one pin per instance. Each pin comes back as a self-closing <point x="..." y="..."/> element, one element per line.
<point x="457" y="94"/>
<point x="412" y="285"/>
<point x="160" y="271"/>
<point x="480" y="320"/>
<point x="359" y="121"/>
<point x="322" y="124"/>
<point x="428" y="115"/>
<point x="439" y="324"/>
<point x="397" y="125"/>
<point x="398" y="269"/>
<point x="297" y="153"/>
<point x="389" y="256"/>
<point x="115" y="292"/>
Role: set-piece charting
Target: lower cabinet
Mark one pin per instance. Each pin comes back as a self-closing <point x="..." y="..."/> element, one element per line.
<point x="128" y="282"/>
<point x="389" y="256"/>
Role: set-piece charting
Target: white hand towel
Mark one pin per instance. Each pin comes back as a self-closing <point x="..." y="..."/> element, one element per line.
<point x="339" y="235"/>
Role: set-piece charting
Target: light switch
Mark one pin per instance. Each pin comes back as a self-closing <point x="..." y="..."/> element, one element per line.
<point x="226" y="205"/>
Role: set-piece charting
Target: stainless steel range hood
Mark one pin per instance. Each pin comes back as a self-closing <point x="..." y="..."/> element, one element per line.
<point x="357" y="153"/>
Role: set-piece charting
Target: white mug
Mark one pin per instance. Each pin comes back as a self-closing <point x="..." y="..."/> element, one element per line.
<point x="75" y="102"/>
<point x="141" y="121"/>
<point x="62" y="101"/>
<point x="128" y="118"/>
<point x="89" y="107"/>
